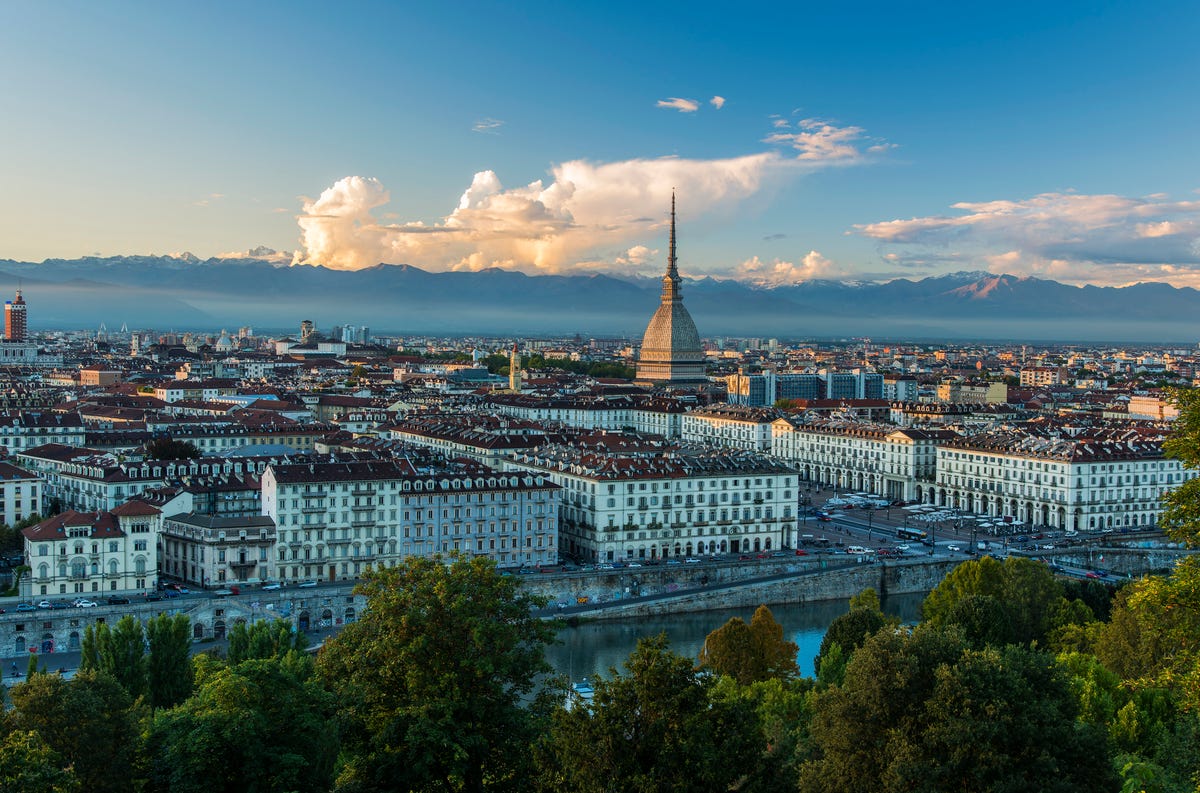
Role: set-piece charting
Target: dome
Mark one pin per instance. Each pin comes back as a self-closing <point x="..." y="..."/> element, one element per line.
<point x="671" y="351"/>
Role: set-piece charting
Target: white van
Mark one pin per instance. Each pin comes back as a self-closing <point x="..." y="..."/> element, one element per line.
<point x="858" y="550"/>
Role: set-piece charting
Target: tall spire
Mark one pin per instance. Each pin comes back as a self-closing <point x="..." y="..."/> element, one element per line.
<point x="670" y="292"/>
<point x="671" y="270"/>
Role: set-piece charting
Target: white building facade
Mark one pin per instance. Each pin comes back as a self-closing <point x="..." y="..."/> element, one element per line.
<point x="730" y="427"/>
<point x="1074" y="485"/>
<point x="335" y="520"/>
<point x="93" y="553"/>
<point x="887" y="461"/>
<point x="663" y="505"/>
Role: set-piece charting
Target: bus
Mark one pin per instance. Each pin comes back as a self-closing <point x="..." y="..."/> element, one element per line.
<point x="906" y="533"/>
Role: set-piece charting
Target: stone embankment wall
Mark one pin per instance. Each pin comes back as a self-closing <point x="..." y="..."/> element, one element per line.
<point x="658" y="590"/>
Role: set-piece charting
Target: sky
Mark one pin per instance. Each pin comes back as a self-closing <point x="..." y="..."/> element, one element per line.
<point x="864" y="141"/>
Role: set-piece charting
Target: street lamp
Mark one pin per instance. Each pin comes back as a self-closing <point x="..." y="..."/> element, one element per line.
<point x="870" y="522"/>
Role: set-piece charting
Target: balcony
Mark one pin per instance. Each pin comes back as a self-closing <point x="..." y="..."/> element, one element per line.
<point x="246" y="565"/>
<point x="358" y="490"/>
<point x="359" y="523"/>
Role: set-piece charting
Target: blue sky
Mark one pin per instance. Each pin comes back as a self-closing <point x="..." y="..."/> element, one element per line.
<point x="865" y="141"/>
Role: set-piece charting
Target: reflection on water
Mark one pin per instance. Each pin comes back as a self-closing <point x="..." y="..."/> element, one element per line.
<point x="595" y="647"/>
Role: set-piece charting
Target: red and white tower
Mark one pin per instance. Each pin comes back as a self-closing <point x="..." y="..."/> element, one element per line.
<point x="14" y="318"/>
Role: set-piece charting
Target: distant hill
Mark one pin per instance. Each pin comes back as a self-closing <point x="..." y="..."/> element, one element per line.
<point x="189" y="293"/>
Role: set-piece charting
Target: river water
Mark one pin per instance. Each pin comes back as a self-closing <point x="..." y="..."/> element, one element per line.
<point x="593" y="647"/>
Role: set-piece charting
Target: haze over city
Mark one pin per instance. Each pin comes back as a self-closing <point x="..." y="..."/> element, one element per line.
<point x="863" y="143"/>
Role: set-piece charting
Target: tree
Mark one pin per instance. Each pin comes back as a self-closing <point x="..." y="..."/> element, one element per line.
<point x="119" y="652"/>
<point x="438" y="682"/>
<point x="848" y="631"/>
<point x="1181" y="515"/>
<point x="171" y="449"/>
<point x="88" y="720"/>
<point x="656" y="728"/>
<point x="750" y="653"/>
<point x="859" y="726"/>
<point x="1026" y="589"/>
<point x="1004" y="720"/>
<point x="169" y="667"/>
<point x="264" y="725"/>
<point x="263" y="639"/>
<point x="984" y="621"/>
<point x="923" y="711"/>
<point x="28" y="764"/>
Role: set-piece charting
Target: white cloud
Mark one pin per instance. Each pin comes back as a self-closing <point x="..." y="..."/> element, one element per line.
<point x="778" y="272"/>
<point x="580" y="218"/>
<point x="489" y="126"/>
<point x="208" y="199"/>
<point x="717" y="101"/>
<point x="261" y="252"/>
<point x="824" y="141"/>
<point x="680" y="104"/>
<point x="638" y="256"/>
<point x="1161" y="229"/>
<point x="1104" y="239"/>
<point x="536" y="228"/>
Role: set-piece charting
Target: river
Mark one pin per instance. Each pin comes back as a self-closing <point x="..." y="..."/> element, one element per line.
<point x="585" y="649"/>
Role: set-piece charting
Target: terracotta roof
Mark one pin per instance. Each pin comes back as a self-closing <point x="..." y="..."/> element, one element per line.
<point x="134" y="509"/>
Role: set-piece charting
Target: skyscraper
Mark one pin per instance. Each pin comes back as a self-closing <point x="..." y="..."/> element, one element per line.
<point x="14" y="318"/>
<point x="671" y="352"/>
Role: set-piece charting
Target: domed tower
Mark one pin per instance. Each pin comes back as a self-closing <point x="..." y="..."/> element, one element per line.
<point x="671" y="352"/>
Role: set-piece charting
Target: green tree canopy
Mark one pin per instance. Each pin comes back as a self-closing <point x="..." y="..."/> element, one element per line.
<point x="923" y="711"/>
<point x="656" y="728"/>
<point x="1026" y="589"/>
<point x="88" y="721"/>
<point x="1181" y="516"/>
<point x="437" y="683"/>
<point x="119" y="652"/>
<point x="263" y="639"/>
<point x="848" y="631"/>
<point x="169" y="666"/>
<point x="262" y="725"/>
<point x="171" y="449"/>
<point x="28" y="764"/>
<point x="750" y="653"/>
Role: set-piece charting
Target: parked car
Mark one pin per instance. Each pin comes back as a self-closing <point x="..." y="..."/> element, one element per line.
<point x="271" y="586"/>
<point x="85" y="604"/>
<point x="26" y="607"/>
<point x="690" y="560"/>
<point x="45" y="604"/>
<point x="118" y="600"/>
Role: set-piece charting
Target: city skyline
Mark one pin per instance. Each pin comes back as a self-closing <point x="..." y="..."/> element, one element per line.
<point x="810" y="143"/>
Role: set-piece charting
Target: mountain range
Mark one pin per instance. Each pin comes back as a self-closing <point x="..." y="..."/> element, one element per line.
<point x="187" y="293"/>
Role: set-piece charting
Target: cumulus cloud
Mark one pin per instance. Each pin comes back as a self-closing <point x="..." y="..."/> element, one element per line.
<point x="537" y="228"/>
<point x="638" y="256"/>
<point x="680" y="104"/>
<point x="779" y="272"/>
<point x="488" y="126"/>
<point x="717" y="101"/>
<point x="586" y="215"/>
<point x="208" y="199"/>
<point x="1103" y="239"/>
